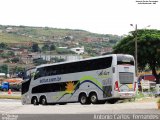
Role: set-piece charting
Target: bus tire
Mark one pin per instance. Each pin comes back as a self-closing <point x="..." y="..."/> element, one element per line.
<point x="43" y="100"/>
<point x="83" y="99"/>
<point x="35" y="101"/>
<point x="93" y="98"/>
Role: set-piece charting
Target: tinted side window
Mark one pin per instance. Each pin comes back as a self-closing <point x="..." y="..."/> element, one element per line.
<point x="81" y="66"/>
<point x="88" y="65"/>
<point x="52" y="87"/>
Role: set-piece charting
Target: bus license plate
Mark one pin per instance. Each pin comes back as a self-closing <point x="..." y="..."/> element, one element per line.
<point x="126" y="94"/>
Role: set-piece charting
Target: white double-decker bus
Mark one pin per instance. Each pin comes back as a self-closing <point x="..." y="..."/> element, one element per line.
<point x="94" y="80"/>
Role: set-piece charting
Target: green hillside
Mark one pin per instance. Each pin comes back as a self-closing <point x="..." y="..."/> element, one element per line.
<point x="13" y="38"/>
<point x="13" y="34"/>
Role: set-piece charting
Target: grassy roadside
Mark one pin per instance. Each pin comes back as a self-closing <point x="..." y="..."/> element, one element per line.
<point x="146" y="99"/>
<point x="10" y="97"/>
<point x="140" y="97"/>
<point x="13" y="95"/>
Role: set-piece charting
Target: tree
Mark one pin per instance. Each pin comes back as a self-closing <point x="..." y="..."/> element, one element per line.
<point x="17" y="70"/>
<point x="52" y="47"/>
<point x="35" y="47"/>
<point x="10" y="53"/>
<point x="45" y="47"/>
<point x="148" y="49"/>
<point x="15" y="60"/>
<point x="39" y="61"/>
<point x="7" y="55"/>
<point x="3" y="45"/>
<point x="4" y="69"/>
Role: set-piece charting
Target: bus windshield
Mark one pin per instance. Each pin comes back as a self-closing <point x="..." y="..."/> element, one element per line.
<point x="125" y="59"/>
<point x="28" y="74"/>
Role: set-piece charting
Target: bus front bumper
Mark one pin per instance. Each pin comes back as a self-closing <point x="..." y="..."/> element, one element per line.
<point x="127" y="94"/>
<point x="25" y="99"/>
<point x="124" y="95"/>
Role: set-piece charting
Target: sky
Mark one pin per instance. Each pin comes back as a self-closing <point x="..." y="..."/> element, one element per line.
<point x="97" y="16"/>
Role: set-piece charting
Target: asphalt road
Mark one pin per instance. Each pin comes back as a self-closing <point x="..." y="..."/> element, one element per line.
<point x="73" y="111"/>
<point x="15" y="107"/>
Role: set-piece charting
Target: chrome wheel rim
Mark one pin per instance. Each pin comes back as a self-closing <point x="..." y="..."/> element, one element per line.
<point x="93" y="98"/>
<point x="83" y="99"/>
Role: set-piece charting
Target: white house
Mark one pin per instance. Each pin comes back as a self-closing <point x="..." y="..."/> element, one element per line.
<point x="2" y="74"/>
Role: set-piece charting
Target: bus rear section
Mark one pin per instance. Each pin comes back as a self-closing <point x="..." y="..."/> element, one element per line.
<point x="124" y="80"/>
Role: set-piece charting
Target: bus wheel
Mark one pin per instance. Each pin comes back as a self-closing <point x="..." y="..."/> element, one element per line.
<point x="93" y="98"/>
<point x="83" y="99"/>
<point x="34" y="101"/>
<point x="44" y="101"/>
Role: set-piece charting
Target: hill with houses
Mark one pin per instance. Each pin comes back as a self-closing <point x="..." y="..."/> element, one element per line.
<point x="18" y="45"/>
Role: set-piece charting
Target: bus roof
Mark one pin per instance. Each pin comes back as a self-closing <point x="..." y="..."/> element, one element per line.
<point x="92" y="58"/>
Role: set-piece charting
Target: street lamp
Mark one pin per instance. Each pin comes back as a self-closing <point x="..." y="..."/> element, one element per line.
<point x="136" y="50"/>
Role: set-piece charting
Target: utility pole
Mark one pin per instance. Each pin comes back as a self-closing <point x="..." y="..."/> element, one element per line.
<point x="136" y="50"/>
